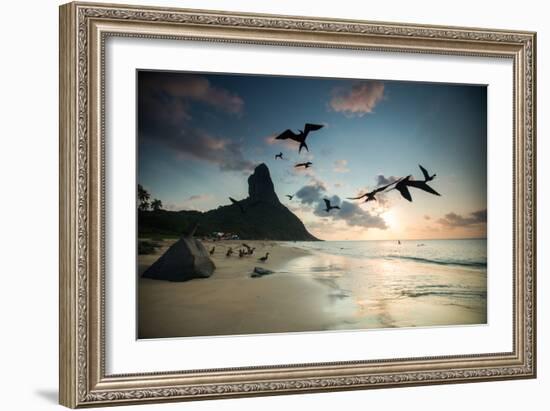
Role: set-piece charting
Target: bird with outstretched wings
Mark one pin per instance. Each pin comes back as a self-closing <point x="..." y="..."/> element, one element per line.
<point x="427" y="176"/>
<point x="305" y="165"/>
<point x="422" y="186"/>
<point x="301" y="136"/>
<point x="371" y="195"/>
<point x="403" y="187"/>
<point x="328" y="206"/>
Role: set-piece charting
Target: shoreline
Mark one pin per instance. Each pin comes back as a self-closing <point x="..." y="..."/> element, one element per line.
<point x="308" y="291"/>
<point x="231" y="302"/>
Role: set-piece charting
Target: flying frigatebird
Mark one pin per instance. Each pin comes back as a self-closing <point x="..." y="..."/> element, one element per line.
<point x="305" y="165"/>
<point x="301" y="136"/>
<point x="370" y="196"/>
<point x="427" y="176"/>
<point x="403" y="184"/>
<point x="329" y="207"/>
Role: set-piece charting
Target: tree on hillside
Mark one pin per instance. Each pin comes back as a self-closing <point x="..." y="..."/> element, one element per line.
<point x="143" y="198"/>
<point x="156" y="204"/>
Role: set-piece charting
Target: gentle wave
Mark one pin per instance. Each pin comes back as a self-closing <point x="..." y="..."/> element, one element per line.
<point x="479" y="264"/>
<point x="442" y="293"/>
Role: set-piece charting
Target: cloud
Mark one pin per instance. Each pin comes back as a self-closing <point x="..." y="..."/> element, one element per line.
<point x="175" y="90"/>
<point x="164" y="118"/>
<point x="358" y="99"/>
<point x="453" y="220"/>
<point x="189" y="142"/>
<point x="427" y="217"/>
<point x="341" y="166"/>
<point x="311" y="193"/>
<point x="200" y="202"/>
<point x="354" y="215"/>
<point x="382" y="180"/>
<point x="199" y="197"/>
<point x="350" y="213"/>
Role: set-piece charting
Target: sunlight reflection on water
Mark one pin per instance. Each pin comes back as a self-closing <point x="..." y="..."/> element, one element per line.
<point x="436" y="284"/>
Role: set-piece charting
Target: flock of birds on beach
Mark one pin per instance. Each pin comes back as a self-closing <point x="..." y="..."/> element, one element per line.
<point x="402" y="184"/>
<point x="243" y="252"/>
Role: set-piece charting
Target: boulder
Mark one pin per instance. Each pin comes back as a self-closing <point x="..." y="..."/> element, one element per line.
<point x="184" y="260"/>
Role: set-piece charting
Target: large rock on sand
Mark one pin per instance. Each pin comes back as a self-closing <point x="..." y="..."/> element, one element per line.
<point x="184" y="260"/>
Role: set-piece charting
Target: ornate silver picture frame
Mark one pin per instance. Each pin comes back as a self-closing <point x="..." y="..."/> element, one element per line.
<point x="84" y="30"/>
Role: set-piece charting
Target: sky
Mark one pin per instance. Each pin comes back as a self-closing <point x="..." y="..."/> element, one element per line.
<point x="200" y="135"/>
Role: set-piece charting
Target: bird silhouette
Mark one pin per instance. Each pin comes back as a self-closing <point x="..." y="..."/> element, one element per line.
<point x="403" y="184"/>
<point x="328" y="206"/>
<point x="264" y="258"/>
<point x="290" y="197"/>
<point x="249" y="250"/>
<point x="212" y="250"/>
<point x="305" y="165"/>
<point x="301" y="136"/>
<point x="229" y="252"/>
<point x="242" y="253"/>
<point x="238" y="203"/>
<point x="427" y="176"/>
<point x="280" y="155"/>
<point x="370" y="196"/>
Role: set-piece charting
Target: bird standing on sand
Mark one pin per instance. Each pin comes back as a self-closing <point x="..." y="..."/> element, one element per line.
<point x="280" y="155"/>
<point x="212" y="250"/>
<point x="427" y="176"/>
<point x="242" y="253"/>
<point x="238" y="203"/>
<point x="301" y="136"/>
<point x="329" y="207"/>
<point x="371" y="195"/>
<point x="264" y="258"/>
<point x="403" y="184"/>
<point x="290" y="197"/>
<point x="305" y="165"/>
<point x="229" y="252"/>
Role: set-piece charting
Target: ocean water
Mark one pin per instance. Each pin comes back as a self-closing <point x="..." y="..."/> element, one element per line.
<point x="383" y="284"/>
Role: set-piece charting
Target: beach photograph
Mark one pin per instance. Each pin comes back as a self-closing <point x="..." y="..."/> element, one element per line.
<point x="279" y="204"/>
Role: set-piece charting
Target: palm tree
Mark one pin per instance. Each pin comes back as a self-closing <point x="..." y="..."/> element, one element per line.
<point x="143" y="197"/>
<point x="156" y="204"/>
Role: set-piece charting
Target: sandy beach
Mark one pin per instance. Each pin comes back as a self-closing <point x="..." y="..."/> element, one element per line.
<point x="231" y="301"/>
<point x="308" y="291"/>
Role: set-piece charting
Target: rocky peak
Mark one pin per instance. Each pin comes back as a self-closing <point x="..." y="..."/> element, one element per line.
<point x="260" y="186"/>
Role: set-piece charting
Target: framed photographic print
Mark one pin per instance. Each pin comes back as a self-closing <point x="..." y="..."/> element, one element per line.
<point x="258" y="204"/>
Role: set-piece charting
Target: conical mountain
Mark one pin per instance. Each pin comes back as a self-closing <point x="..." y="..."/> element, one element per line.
<point x="265" y="217"/>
